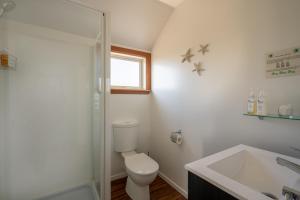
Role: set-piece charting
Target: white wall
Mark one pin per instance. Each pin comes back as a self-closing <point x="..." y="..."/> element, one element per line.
<point x="46" y="106"/>
<point x="123" y="107"/>
<point x="209" y="109"/>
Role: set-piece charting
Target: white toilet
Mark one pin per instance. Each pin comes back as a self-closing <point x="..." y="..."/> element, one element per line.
<point x="141" y="169"/>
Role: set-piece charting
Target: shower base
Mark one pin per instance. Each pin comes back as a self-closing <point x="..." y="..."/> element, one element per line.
<point x="85" y="192"/>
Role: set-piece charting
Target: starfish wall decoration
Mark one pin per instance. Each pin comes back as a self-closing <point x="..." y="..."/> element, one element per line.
<point x="187" y="56"/>
<point x="198" y="68"/>
<point x="204" y="49"/>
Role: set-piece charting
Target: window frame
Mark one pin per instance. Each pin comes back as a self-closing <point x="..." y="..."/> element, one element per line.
<point x="135" y="53"/>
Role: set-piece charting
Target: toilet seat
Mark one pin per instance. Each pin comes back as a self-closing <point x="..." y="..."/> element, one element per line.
<point x="141" y="164"/>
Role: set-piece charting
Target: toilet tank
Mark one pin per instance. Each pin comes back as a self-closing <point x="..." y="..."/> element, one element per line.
<point x="125" y="135"/>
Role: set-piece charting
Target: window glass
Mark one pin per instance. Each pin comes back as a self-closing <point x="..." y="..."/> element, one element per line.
<point x="126" y="72"/>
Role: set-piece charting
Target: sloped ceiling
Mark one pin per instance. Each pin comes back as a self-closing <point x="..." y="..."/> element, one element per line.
<point x="134" y="23"/>
<point x="173" y="3"/>
<point x="57" y="15"/>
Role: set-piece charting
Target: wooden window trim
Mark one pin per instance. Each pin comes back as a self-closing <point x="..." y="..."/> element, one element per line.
<point x="147" y="57"/>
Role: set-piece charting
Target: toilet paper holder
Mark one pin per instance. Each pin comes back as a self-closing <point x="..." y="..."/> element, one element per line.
<point x="177" y="132"/>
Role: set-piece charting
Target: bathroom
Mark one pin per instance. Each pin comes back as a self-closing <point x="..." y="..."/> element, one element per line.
<point x="149" y="99"/>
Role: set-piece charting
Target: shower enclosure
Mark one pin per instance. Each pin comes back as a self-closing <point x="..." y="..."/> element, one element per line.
<point x="53" y="99"/>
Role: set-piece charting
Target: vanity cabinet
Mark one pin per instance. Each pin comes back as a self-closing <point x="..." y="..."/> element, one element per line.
<point x="200" y="189"/>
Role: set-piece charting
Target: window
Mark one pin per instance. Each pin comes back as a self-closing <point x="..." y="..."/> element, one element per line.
<point x="127" y="72"/>
<point x="130" y="71"/>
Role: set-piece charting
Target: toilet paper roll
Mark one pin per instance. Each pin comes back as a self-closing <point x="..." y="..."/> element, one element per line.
<point x="176" y="138"/>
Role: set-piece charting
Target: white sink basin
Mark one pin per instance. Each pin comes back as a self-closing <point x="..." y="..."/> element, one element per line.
<point x="246" y="172"/>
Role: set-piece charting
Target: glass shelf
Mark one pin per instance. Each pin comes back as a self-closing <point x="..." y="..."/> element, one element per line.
<point x="6" y="68"/>
<point x="261" y="117"/>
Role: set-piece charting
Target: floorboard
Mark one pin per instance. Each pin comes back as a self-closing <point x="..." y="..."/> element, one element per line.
<point x="159" y="190"/>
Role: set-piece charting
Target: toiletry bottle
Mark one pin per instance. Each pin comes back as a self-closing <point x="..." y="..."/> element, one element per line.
<point x="252" y="103"/>
<point x="261" y="103"/>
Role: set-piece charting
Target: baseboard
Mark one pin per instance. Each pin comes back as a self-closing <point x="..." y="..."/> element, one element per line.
<point x="118" y="176"/>
<point x="173" y="184"/>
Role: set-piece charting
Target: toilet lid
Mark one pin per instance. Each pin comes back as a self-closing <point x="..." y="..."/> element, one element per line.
<point x="141" y="164"/>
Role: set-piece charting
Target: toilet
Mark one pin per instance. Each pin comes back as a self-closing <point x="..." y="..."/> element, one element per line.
<point x="140" y="168"/>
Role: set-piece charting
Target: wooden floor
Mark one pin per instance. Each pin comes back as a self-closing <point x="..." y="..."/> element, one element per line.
<point x="159" y="190"/>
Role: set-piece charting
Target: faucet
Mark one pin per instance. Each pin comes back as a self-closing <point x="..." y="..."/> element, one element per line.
<point x="289" y="193"/>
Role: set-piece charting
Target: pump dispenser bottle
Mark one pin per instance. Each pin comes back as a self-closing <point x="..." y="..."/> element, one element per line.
<point x="261" y="103"/>
<point x="252" y="103"/>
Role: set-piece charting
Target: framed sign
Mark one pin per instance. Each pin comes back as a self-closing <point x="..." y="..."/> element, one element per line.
<point x="283" y="63"/>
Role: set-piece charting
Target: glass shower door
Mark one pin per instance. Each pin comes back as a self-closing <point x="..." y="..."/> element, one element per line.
<point x="51" y="101"/>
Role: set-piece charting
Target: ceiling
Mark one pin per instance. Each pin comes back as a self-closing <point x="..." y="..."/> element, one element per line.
<point x="134" y="23"/>
<point x="173" y="3"/>
<point x="68" y="17"/>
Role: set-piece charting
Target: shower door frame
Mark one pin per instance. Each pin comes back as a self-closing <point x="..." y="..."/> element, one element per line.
<point x="104" y="87"/>
<point x="105" y="191"/>
<point x="106" y="194"/>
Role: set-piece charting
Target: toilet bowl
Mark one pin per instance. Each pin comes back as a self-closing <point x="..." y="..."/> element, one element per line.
<point x="141" y="170"/>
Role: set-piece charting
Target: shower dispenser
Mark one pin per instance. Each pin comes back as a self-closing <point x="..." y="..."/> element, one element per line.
<point x="7" y="61"/>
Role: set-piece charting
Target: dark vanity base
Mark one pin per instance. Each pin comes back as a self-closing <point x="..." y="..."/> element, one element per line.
<point x="200" y="189"/>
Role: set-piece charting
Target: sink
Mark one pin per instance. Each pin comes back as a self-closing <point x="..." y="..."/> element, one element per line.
<point x="247" y="173"/>
<point x="250" y="170"/>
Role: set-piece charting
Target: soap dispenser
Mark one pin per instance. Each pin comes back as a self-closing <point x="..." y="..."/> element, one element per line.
<point x="4" y="58"/>
<point x="7" y="61"/>
<point x="252" y="103"/>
